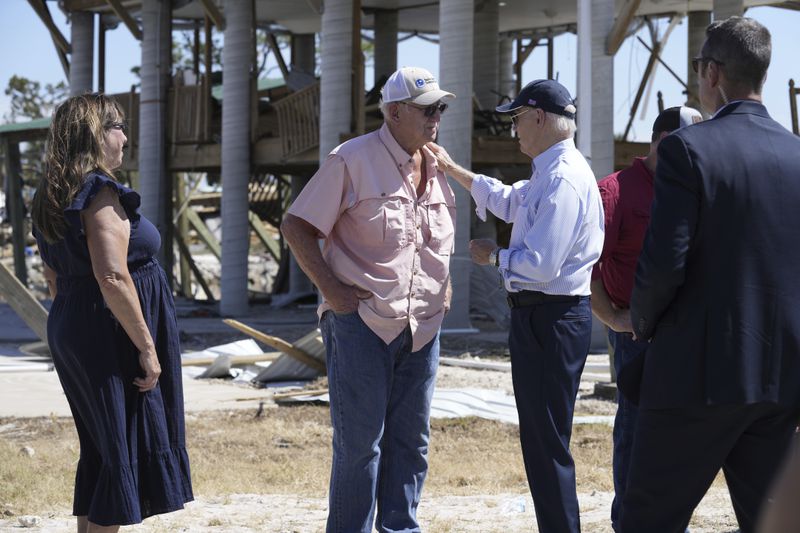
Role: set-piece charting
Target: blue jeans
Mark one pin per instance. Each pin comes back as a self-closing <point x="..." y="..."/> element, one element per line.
<point x="625" y="350"/>
<point x="380" y="411"/>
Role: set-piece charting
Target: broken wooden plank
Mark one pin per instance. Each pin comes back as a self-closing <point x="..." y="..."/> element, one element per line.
<point x="479" y="365"/>
<point x="23" y="302"/>
<point x="234" y="359"/>
<point x="279" y="344"/>
<point x="261" y="231"/>
<point x="204" y="233"/>
<point x="126" y="18"/>
<point x="184" y="249"/>
<point x="294" y="394"/>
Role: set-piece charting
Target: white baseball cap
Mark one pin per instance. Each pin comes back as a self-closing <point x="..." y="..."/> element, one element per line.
<point x="415" y="85"/>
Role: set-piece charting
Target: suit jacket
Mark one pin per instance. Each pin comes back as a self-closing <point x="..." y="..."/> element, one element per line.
<point x="718" y="281"/>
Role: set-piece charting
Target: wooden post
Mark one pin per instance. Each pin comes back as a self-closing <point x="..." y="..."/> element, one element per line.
<point x="620" y="29"/>
<point x="207" y="60"/>
<point x="196" y="52"/>
<point x="273" y="248"/>
<point x="202" y="231"/>
<point x="518" y="66"/>
<point x="13" y="172"/>
<point x="550" y="57"/>
<point x="23" y="303"/>
<point x="793" y="107"/>
<point x="272" y="42"/>
<point x="648" y="69"/>
<point x="184" y="249"/>
<point x="101" y="54"/>
<point x="357" y="123"/>
<point x="182" y="231"/>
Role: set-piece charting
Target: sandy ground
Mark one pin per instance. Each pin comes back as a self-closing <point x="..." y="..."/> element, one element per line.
<point x="280" y="513"/>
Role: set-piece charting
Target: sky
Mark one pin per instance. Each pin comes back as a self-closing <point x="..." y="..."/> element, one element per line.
<point x="27" y="50"/>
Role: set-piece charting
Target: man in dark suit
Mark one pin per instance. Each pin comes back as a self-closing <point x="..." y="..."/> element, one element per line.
<point x="717" y="293"/>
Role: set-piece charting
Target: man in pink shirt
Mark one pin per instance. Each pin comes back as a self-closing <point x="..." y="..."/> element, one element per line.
<point x="386" y="214"/>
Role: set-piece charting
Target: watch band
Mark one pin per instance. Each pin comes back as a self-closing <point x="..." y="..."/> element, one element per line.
<point x="494" y="257"/>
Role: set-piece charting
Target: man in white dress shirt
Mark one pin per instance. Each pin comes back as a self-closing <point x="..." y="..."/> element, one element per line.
<point x="556" y="239"/>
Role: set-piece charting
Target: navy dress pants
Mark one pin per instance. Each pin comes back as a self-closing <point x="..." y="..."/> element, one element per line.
<point x="549" y="343"/>
<point x="678" y="452"/>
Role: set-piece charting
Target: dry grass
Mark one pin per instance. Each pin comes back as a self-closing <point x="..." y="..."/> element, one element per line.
<point x="287" y="451"/>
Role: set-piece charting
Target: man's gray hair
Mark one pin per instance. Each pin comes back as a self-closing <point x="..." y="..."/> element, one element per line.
<point x="742" y="49"/>
<point x="384" y="107"/>
<point x="560" y="125"/>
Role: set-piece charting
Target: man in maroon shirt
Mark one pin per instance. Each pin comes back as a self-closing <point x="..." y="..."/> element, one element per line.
<point x="627" y="196"/>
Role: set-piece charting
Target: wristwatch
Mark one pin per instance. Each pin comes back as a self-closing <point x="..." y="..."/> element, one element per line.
<point x="494" y="257"/>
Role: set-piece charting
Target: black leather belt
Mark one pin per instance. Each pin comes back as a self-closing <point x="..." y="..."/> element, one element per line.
<point x="525" y="298"/>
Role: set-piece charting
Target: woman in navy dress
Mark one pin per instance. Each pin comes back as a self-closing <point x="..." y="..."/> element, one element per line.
<point x="112" y="328"/>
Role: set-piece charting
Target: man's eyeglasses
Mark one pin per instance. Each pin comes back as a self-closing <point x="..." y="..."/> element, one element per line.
<point x="430" y="110"/>
<point x="116" y="126"/>
<point x="515" y="117"/>
<point x="702" y="59"/>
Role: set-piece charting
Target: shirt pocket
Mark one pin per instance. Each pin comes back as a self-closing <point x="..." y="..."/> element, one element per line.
<point x="381" y="221"/>
<point x="440" y="228"/>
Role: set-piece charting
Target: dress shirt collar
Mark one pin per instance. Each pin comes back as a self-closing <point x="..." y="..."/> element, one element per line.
<point x="548" y="156"/>
<point x="724" y="109"/>
<point x="398" y="153"/>
<point x="747" y="107"/>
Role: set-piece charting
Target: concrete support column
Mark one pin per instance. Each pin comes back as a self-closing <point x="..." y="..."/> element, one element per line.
<point x="155" y="184"/>
<point x="237" y="61"/>
<point x="456" y="19"/>
<point x="696" y="36"/>
<point x="603" y="87"/>
<point x="486" y="53"/>
<point x="596" y="85"/>
<point x="728" y="8"/>
<point x="584" y="79"/>
<point x="337" y="71"/>
<point x="81" y="69"/>
<point x="506" y="84"/>
<point x="304" y="50"/>
<point x="385" y="43"/>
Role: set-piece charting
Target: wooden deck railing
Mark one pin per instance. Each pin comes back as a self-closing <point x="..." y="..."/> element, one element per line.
<point x="189" y="113"/>
<point x="298" y="120"/>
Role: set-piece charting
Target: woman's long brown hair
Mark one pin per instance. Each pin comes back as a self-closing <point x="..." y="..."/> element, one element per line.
<point x="74" y="149"/>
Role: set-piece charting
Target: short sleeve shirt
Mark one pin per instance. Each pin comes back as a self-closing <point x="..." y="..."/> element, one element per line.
<point x="380" y="236"/>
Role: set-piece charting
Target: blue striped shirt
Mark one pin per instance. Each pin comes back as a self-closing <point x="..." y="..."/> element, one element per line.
<point x="558" y="223"/>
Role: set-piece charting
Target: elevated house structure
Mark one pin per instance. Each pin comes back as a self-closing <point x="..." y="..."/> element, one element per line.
<point x="244" y="131"/>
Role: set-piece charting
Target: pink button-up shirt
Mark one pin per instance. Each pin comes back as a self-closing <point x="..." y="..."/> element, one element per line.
<point x="380" y="236"/>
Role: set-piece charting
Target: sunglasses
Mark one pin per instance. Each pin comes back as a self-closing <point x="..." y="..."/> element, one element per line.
<point x="701" y="59"/>
<point x="515" y="118"/>
<point x="430" y="110"/>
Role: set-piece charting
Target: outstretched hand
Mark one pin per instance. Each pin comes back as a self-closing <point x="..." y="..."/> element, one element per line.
<point x="444" y="160"/>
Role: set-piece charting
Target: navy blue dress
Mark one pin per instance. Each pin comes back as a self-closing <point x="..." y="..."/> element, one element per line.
<point x="133" y="461"/>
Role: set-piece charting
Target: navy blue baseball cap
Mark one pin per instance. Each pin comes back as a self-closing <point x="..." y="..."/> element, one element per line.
<point x="548" y="95"/>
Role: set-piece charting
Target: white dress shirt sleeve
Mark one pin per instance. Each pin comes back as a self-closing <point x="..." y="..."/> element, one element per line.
<point x="555" y="225"/>
<point x="502" y="200"/>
